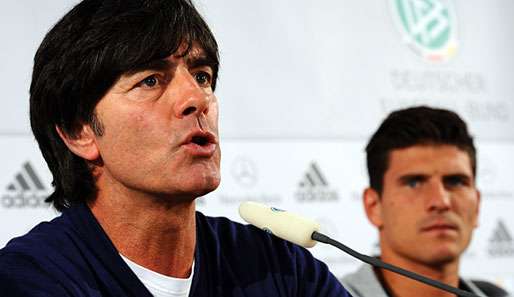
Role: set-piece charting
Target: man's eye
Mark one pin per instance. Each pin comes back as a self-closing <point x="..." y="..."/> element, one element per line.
<point x="412" y="183"/>
<point x="203" y="78"/>
<point x="150" y="81"/>
<point x="455" y="181"/>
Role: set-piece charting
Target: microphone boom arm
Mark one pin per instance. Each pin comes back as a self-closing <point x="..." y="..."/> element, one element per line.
<point x="378" y="263"/>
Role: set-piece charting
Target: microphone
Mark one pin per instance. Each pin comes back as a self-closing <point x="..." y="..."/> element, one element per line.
<point x="304" y="232"/>
<point x="283" y="224"/>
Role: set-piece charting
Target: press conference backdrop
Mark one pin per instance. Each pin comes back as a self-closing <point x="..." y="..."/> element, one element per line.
<point x="303" y="84"/>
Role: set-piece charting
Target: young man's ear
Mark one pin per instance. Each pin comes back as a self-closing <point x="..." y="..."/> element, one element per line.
<point x="373" y="207"/>
<point x="83" y="144"/>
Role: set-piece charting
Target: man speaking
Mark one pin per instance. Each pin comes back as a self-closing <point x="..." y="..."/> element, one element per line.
<point x="123" y="109"/>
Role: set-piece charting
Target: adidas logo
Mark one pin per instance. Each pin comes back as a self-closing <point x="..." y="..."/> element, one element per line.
<point x="26" y="190"/>
<point x="313" y="177"/>
<point x="313" y="187"/>
<point x="501" y="243"/>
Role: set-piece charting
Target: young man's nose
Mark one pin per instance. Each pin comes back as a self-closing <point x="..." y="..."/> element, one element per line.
<point x="192" y="99"/>
<point x="438" y="198"/>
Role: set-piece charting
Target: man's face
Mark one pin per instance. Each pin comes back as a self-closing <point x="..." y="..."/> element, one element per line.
<point x="429" y="204"/>
<point x="161" y="129"/>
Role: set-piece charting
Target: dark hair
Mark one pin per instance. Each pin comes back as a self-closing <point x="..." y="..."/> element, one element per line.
<point x="415" y="126"/>
<point x="82" y="57"/>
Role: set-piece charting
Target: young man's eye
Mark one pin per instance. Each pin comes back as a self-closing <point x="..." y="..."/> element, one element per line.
<point x="203" y="78"/>
<point x="455" y="181"/>
<point x="412" y="183"/>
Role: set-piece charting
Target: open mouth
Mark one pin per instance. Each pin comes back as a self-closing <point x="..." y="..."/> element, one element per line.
<point x="200" y="140"/>
<point x="200" y="143"/>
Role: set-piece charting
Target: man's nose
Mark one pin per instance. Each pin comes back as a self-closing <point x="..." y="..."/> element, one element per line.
<point x="438" y="197"/>
<point x="192" y="99"/>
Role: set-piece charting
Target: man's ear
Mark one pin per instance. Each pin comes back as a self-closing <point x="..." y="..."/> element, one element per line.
<point x="373" y="207"/>
<point x="83" y="144"/>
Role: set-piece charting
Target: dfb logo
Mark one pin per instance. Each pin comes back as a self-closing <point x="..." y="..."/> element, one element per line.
<point x="428" y="27"/>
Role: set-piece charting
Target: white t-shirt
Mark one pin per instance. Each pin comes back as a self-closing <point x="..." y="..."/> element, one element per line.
<point x="161" y="285"/>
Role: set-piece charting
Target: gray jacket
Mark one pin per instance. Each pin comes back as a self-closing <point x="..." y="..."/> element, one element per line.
<point x="364" y="283"/>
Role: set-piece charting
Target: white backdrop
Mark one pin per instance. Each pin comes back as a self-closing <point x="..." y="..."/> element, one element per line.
<point x="303" y="84"/>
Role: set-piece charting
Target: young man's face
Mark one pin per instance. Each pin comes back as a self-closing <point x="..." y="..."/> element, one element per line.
<point x="429" y="205"/>
<point x="161" y="129"/>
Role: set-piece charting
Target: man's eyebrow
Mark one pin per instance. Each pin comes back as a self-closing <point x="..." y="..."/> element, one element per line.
<point x="412" y="176"/>
<point x="199" y="61"/>
<point x="156" y="65"/>
<point x="462" y="176"/>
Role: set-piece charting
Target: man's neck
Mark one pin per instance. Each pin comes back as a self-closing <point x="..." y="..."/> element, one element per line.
<point x="400" y="286"/>
<point x="156" y="233"/>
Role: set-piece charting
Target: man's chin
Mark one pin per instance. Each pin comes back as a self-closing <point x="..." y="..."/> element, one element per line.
<point x="443" y="256"/>
<point x="205" y="191"/>
<point x="208" y="185"/>
<point x="188" y="190"/>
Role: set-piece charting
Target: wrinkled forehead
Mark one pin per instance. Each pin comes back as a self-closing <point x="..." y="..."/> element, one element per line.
<point x="193" y="55"/>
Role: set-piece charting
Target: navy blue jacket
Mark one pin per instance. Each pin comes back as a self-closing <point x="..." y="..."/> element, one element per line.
<point x="72" y="256"/>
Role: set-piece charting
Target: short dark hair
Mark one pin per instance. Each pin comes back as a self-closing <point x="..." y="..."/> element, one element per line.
<point x="83" y="55"/>
<point x="420" y="125"/>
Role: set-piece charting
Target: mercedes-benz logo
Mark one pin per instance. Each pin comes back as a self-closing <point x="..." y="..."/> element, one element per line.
<point x="244" y="172"/>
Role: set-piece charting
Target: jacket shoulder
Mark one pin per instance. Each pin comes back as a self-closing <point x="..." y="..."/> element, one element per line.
<point x="490" y="289"/>
<point x="23" y="275"/>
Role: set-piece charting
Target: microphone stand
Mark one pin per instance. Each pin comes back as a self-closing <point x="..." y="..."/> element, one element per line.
<point x="378" y="263"/>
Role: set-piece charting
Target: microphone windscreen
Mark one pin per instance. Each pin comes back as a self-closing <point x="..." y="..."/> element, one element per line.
<point x="283" y="224"/>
